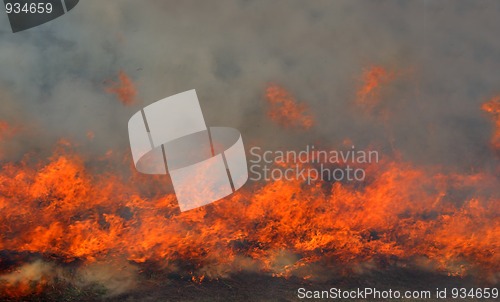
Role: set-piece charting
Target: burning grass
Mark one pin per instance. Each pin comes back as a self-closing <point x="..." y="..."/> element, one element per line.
<point x="74" y="218"/>
<point x="403" y="216"/>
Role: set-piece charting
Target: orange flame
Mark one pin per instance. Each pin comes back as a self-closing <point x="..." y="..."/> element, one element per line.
<point x="373" y="80"/>
<point x="403" y="215"/>
<point x="284" y="110"/>
<point x="124" y="89"/>
<point x="61" y="208"/>
<point x="493" y="108"/>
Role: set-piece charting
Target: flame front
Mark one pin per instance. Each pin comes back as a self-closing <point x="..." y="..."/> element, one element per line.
<point x="403" y="215"/>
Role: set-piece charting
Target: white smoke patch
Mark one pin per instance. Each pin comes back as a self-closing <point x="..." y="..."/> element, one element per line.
<point x="114" y="277"/>
<point x="240" y="263"/>
<point x="278" y="263"/>
<point x="35" y="272"/>
<point x="117" y="277"/>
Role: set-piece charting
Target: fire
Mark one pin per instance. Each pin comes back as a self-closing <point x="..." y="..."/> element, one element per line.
<point x="493" y="108"/>
<point x="284" y="228"/>
<point x="284" y="110"/>
<point x="373" y="80"/>
<point x="70" y="210"/>
<point x="124" y="89"/>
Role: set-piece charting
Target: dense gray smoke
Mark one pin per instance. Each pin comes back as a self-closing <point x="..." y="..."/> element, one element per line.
<point x="53" y="78"/>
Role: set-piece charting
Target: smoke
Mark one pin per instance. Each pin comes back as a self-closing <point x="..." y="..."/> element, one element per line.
<point x="30" y="272"/>
<point x="229" y="52"/>
<point x="114" y="277"/>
